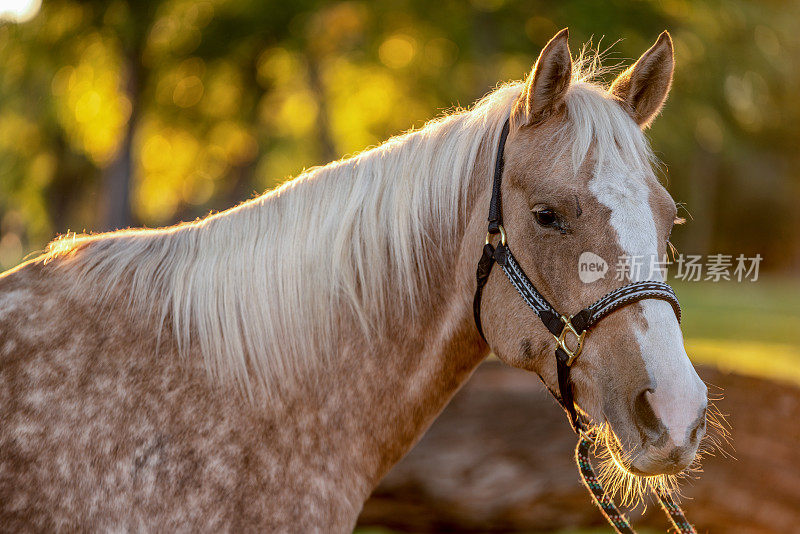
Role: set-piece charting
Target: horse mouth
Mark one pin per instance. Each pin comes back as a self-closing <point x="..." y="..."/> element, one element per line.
<point x="625" y="462"/>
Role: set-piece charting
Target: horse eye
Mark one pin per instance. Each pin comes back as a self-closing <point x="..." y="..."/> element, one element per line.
<point x="545" y="217"/>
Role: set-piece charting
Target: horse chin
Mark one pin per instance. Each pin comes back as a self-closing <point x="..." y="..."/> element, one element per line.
<point x="624" y="461"/>
<point x="645" y="465"/>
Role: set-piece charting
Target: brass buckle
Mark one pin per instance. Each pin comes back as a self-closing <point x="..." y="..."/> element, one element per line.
<point x="561" y="339"/>
<point x="502" y="235"/>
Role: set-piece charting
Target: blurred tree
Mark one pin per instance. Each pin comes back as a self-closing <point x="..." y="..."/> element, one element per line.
<point x="149" y="112"/>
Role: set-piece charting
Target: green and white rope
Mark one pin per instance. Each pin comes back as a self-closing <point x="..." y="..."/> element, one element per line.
<point x="612" y="514"/>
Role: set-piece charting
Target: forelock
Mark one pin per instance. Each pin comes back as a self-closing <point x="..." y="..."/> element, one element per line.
<point x="595" y="125"/>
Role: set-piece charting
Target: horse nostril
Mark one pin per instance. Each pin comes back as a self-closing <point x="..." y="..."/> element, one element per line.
<point x="699" y="426"/>
<point x="646" y="419"/>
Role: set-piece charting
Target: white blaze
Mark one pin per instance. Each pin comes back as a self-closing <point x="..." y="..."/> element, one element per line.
<point x="679" y="393"/>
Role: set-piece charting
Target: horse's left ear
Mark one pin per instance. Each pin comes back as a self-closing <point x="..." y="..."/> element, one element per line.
<point x="643" y="88"/>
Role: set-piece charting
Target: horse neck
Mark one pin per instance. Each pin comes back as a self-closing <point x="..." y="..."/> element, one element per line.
<point x="382" y="389"/>
<point x="364" y="394"/>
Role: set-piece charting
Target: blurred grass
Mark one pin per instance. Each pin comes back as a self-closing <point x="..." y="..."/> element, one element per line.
<point x="603" y="530"/>
<point x="751" y="328"/>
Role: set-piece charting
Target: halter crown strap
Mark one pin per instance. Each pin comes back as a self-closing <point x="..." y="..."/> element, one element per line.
<point x="496" y="204"/>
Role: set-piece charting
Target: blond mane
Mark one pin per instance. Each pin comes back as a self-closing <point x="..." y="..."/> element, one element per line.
<point x="259" y="287"/>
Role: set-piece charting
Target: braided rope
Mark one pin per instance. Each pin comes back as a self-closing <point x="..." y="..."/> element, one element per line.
<point x="601" y="499"/>
<point x="607" y="506"/>
<point x="674" y="512"/>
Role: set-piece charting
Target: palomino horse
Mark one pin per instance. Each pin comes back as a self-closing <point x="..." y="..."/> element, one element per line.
<point x="263" y="368"/>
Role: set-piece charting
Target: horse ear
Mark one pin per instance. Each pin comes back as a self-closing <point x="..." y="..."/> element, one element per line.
<point x="547" y="83"/>
<point x="643" y="88"/>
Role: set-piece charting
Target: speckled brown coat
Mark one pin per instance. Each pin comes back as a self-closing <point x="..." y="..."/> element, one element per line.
<point x="100" y="431"/>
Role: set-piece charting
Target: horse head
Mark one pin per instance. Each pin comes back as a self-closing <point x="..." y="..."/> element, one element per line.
<point x="580" y="198"/>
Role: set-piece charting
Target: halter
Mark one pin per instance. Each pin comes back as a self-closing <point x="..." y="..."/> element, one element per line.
<point x="564" y="327"/>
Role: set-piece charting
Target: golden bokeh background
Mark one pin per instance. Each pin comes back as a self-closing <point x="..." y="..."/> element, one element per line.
<point x="146" y="113"/>
<point x="120" y="113"/>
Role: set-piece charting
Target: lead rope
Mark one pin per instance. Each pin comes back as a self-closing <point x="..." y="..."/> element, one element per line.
<point x="604" y="502"/>
<point x="674" y="512"/>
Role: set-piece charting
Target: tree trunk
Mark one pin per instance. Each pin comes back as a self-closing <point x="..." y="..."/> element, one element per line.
<point x="327" y="146"/>
<point x="118" y="175"/>
<point x="702" y="202"/>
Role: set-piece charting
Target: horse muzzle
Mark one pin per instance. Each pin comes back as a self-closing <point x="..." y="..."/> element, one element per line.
<point x="668" y="452"/>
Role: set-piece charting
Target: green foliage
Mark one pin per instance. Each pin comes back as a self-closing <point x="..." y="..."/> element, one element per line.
<point x="748" y="328"/>
<point x="196" y="105"/>
<point x="764" y="311"/>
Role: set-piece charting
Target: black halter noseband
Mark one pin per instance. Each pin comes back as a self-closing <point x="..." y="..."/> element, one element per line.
<point x="559" y="325"/>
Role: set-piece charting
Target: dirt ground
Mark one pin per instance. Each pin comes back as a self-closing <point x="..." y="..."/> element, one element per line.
<point x="499" y="459"/>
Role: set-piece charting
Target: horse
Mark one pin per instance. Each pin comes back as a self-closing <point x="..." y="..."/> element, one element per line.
<point x="264" y="367"/>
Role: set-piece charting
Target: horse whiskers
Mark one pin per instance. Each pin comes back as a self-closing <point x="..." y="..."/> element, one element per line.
<point x="716" y="440"/>
<point x="715" y="393"/>
<point x="620" y="480"/>
<point x="718" y="433"/>
<point x="615" y="475"/>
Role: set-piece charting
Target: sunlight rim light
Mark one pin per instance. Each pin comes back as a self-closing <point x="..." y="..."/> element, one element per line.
<point x="19" y="11"/>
